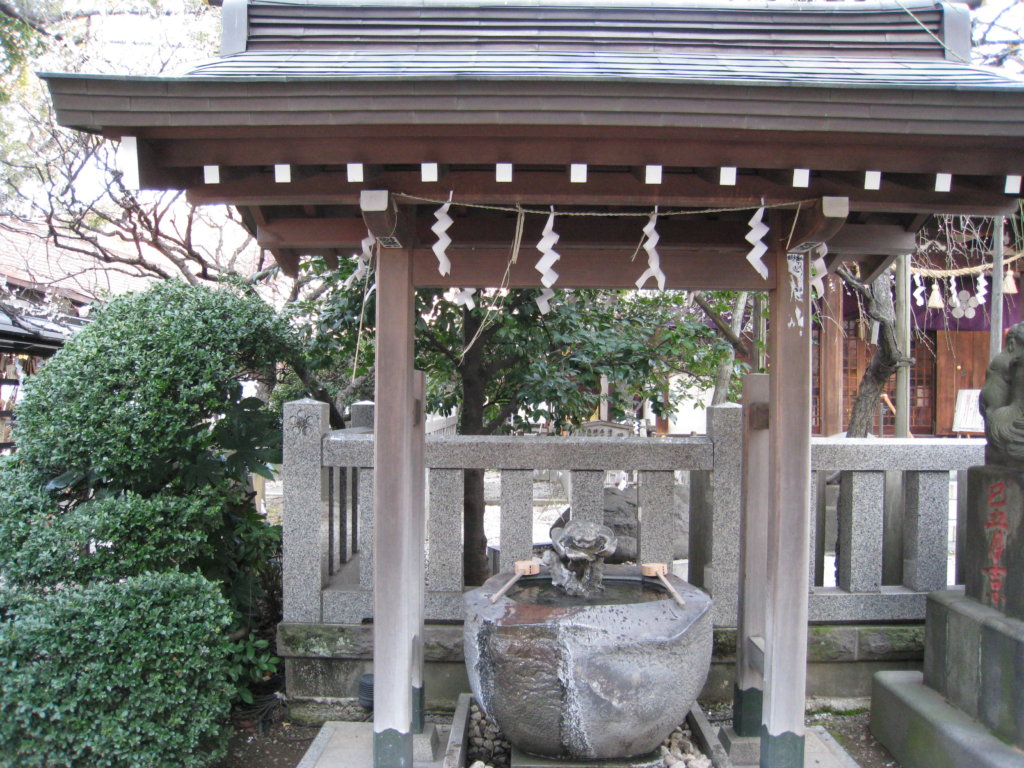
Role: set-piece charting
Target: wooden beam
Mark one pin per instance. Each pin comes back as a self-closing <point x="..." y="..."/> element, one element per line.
<point x="489" y="232"/>
<point x="751" y="149"/>
<point x="619" y="187"/>
<point x="591" y="270"/>
<point x="872" y="239"/>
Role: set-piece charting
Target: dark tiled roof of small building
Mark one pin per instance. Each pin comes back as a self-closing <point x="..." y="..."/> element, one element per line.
<point x="604" y="66"/>
<point x="882" y="29"/>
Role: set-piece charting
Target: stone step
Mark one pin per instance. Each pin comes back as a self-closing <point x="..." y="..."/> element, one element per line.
<point x="922" y="730"/>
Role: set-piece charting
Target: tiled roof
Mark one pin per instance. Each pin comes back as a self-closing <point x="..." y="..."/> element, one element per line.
<point x="908" y="28"/>
<point x="28" y="259"/>
<point x="601" y="65"/>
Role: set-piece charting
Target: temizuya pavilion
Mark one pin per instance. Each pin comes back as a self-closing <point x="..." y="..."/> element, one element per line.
<point x="849" y="123"/>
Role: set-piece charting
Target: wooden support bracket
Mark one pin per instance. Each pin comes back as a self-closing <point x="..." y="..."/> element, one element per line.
<point x="392" y="227"/>
<point x="815" y="224"/>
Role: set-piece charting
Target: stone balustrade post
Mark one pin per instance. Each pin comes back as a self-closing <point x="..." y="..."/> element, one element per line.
<point x="306" y="562"/>
<point x="724" y="494"/>
<point x="925" y="530"/>
<point x="861" y="531"/>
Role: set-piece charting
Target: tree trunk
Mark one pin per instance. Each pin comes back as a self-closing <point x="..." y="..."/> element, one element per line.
<point x="724" y="377"/>
<point x="886" y="359"/>
<point x="471" y="422"/>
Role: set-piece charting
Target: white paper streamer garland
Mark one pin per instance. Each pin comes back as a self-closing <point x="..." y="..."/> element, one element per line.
<point x="544" y="300"/>
<point x="653" y="258"/>
<point x="758" y="229"/>
<point x="954" y="298"/>
<point x="440" y="228"/>
<point x="981" y="288"/>
<point x="461" y="297"/>
<point x="818" y="270"/>
<point x="919" y="291"/>
<point x="362" y="261"/>
<point x="549" y="255"/>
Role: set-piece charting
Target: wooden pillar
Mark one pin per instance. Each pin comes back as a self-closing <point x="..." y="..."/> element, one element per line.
<point x="830" y="381"/>
<point x="902" y="307"/>
<point x="995" y="332"/>
<point x="749" y="689"/>
<point x="417" y="543"/>
<point x="789" y="351"/>
<point x="397" y="574"/>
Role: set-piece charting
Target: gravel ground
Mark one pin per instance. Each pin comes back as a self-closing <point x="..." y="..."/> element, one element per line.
<point x="283" y="744"/>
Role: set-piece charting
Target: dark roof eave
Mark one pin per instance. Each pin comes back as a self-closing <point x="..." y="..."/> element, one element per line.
<point x="120" y="104"/>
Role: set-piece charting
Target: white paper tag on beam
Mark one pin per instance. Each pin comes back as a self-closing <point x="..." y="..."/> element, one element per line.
<point x="546" y="245"/>
<point x="653" y="258"/>
<point x="440" y="228"/>
<point x="127" y="159"/>
<point x="758" y="229"/>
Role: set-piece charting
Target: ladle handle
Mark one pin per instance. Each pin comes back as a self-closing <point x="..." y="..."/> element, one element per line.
<point x="659" y="569"/>
<point x="522" y="568"/>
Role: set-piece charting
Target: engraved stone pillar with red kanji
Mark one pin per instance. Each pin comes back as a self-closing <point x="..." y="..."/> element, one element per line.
<point x="994" y="549"/>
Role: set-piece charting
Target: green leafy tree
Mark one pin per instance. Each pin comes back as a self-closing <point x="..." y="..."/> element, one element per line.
<point x="504" y="365"/>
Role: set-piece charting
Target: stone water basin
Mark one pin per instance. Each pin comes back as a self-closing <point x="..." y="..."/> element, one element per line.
<point x="594" y="679"/>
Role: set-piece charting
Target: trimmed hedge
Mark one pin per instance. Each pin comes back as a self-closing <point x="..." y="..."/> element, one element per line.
<point x="128" y="403"/>
<point x="113" y="675"/>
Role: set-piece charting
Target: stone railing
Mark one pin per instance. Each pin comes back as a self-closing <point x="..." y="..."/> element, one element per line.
<point x="892" y="511"/>
<point x="328" y="536"/>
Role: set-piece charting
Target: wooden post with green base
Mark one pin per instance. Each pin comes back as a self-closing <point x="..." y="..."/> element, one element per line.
<point x="785" y="664"/>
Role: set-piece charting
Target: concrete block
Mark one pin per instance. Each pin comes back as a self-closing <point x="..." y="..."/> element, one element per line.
<point x="832" y="643"/>
<point x="922" y="730"/>
<point x="1001" y="693"/>
<point x="890" y="643"/>
<point x="925" y="515"/>
<point x="458" y="736"/>
<point x="365" y="528"/>
<point x="725" y="428"/>
<point x="993" y="553"/>
<point x="361" y="415"/>
<point x="962" y="665"/>
<point x="861" y="529"/>
<point x="656" y="517"/>
<point x="444" y="530"/>
<point x="516" y="517"/>
<point x="587" y="495"/>
<point x="935" y="629"/>
<point x="828" y="604"/>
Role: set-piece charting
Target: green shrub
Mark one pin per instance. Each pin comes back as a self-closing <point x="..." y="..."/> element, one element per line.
<point x="132" y="401"/>
<point x="133" y="673"/>
<point x="110" y="539"/>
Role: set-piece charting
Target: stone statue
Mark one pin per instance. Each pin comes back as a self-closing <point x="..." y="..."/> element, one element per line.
<point x="577" y="556"/>
<point x="1002" y="403"/>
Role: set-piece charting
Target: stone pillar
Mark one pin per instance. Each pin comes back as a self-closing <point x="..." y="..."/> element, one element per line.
<point x="306" y="512"/>
<point x="516" y="517"/>
<point x="861" y="521"/>
<point x="721" y="574"/>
